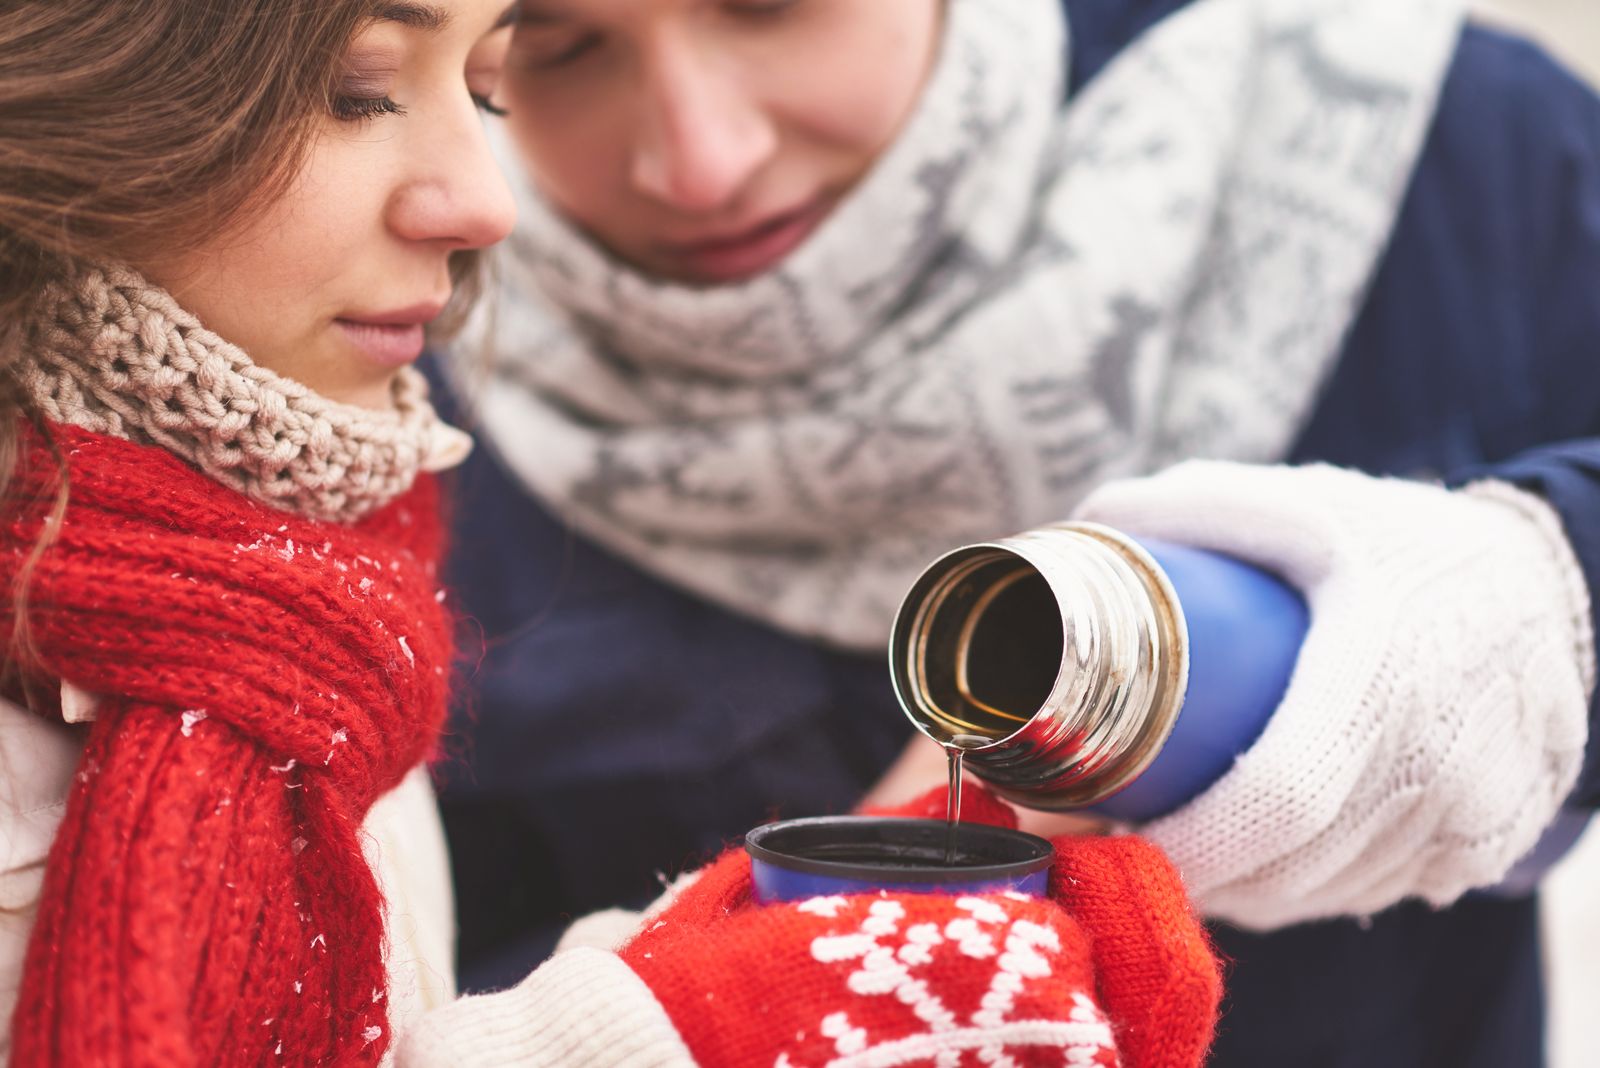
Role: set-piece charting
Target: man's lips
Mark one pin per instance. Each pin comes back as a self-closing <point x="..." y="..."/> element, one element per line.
<point x="750" y="250"/>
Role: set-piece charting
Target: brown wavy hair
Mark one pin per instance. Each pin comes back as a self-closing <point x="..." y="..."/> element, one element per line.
<point x="133" y="128"/>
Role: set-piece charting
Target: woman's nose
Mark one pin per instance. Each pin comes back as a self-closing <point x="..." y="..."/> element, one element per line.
<point x="460" y="199"/>
<point x="700" y="137"/>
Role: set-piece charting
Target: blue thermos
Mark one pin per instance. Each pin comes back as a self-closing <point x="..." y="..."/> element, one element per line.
<point x="1078" y="667"/>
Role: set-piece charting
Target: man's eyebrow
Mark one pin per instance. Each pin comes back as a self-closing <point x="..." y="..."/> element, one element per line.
<point x="418" y="16"/>
<point x="529" y="11"/>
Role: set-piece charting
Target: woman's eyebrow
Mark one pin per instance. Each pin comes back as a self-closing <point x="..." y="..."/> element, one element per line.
<point x="431" y="19"/>
<point x="418" y="16"/>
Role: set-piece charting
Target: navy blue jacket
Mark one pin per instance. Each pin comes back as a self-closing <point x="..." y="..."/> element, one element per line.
<point x="616" y="727"/>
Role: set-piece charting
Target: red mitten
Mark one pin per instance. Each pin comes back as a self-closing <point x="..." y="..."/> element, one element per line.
<point x="888" y="978"/>
<point x="1157" y="975"/>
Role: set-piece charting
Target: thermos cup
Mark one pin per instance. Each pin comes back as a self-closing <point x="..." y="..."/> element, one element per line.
<point x="797" y="859"/>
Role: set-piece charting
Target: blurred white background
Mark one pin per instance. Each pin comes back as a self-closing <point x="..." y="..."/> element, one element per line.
<point x="1572" y="942"/>
<point x="1571" y="30"/>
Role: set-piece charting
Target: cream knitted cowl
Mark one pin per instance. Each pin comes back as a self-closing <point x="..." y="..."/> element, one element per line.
<point x="117" y="355"/>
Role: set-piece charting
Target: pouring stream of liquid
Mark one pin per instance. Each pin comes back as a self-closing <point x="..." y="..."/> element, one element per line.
<point x="955" y="749"/>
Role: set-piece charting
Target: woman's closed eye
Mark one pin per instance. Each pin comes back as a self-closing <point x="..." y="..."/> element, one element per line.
<point x="347" y="108"/>
<point x="363" y="92"/>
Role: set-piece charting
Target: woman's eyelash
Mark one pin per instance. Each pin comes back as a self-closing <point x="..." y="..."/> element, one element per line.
<point x="488" y="106"/>
<point x="358" y="108"/>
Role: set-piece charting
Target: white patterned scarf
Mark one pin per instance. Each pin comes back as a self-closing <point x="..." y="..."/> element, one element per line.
<point x="1019" y="302"/>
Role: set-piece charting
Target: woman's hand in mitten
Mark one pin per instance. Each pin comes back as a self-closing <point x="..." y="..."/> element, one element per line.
<point x="712" y="979"/>
<point x="1155" y="972"/>
<point x="1437" y="714"/>
<point x="890" y="978"/>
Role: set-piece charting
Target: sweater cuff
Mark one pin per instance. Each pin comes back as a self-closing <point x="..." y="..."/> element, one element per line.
<point x="1544" y="518"/>
<point x="582" y="1007"/>
<point x="608" y="929"/>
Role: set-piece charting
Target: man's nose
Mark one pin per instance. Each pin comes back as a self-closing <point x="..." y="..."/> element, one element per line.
<point x="701" y="136"/>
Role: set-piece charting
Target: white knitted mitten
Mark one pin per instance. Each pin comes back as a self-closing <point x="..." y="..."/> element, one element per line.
<point x="1437" y="715"/>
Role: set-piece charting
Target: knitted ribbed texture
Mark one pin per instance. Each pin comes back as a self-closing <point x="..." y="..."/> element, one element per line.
<point x="582" y="1007"/>
<point x="1157" y="978"/>
<point x="264" y="677"/>
<point x="116" y="355"/>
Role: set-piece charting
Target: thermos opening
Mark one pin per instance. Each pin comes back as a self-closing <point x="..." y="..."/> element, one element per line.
<point x="1009" y="652"/>
<point x="984" y="651"/>
<point x="1056" y="659"/>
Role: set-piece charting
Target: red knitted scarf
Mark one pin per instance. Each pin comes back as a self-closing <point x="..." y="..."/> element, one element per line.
<point x="262" y="679"/>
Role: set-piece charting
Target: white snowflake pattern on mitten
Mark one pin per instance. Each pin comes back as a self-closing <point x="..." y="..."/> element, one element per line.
<point x="894" y="959"/>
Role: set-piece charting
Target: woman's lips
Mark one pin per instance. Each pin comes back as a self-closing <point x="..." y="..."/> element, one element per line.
<point x="728" y="259"/>
<point x="391" y="339"/>
<point x="391" y="344"/>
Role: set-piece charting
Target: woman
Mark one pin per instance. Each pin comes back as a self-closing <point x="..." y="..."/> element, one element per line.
<point x="776" y="350"/>
<point x="188" y="890"/>
<point x="227" y="653"/>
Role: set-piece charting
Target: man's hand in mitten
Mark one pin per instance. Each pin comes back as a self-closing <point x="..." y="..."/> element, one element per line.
<point x="1437" y="714"/>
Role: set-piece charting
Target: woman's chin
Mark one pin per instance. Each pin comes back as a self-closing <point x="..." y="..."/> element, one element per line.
<point x="377" y="396"/>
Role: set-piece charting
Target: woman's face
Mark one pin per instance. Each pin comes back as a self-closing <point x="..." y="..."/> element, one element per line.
<point x="703" y="140"/>
<point x="333" y="283"/>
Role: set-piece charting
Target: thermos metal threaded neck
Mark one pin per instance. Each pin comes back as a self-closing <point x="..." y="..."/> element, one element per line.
<point x="1057" y="659"/>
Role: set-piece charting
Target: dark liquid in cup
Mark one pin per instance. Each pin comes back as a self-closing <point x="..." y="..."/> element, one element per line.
<point x="894" y="855"/>
<point x="791" y="856"/>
